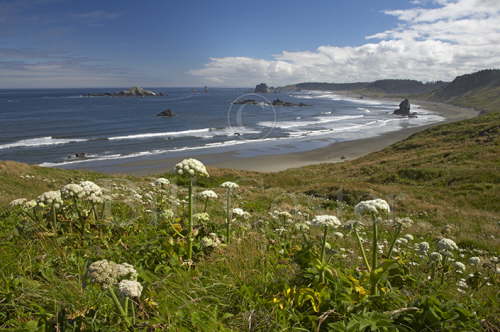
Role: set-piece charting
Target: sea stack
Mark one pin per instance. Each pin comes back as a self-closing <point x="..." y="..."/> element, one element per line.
<point x="261" y="88"/>
<point x="404" y="108"/>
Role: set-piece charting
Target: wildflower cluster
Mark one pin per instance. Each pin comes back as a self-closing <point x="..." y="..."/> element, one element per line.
<point x="191" y="168"/>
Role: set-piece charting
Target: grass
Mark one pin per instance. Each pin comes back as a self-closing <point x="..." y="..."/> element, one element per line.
<point x="445" y="178"/>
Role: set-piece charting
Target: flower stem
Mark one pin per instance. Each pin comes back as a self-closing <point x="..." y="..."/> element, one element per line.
<point x="228" y="215"/>
<point x="398" y="231"/>
<point x="206" y="205"/>
<point x="120" y="307"/>
<point x="82" y="222"/>
<point x="323" y="244"/>
<point x="190" y="221"/>
<point x="374" y="257"/>
<point x="54" y="217"/>
<point x="363" y="253"/>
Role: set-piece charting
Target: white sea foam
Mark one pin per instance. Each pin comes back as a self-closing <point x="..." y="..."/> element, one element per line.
<point x="338" y="97"/>
<point x="203" y="132"/>
<point x="316" y="121"/>
<point x="41" y="141"/>
<point x="192" y="132"/>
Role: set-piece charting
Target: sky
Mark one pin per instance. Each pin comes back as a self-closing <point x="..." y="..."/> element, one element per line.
<point x="237" y="43"/>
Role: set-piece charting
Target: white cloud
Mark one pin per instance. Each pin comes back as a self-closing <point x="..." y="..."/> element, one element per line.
<point x="455" y="37"/>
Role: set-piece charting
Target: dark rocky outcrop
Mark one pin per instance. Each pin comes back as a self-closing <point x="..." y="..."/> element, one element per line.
<point x="246" y="102"/>
<point x="276" y="102"/>
<point x="279" y="102"/>
<point x="404" y="109"/>
<point x="132" y="92"/>
<point x="166" y="113"/>
<point x="261" y="88"/>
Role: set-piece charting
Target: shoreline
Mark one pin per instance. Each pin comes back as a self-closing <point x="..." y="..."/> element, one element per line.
<point x="333" y="153"/>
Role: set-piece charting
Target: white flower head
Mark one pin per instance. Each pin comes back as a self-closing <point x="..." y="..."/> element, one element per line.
<point x="18" y="202"/>
<point x="167" y="214"/>
<point x="161" y="182"/>
<point x="72" y="190"/>
<point x="130" y="288"/>
<point x="459" y="266"/>
<point x="230" y="185"/>
<point x="201" y="217"/>
<point x="402" y="241"/>
<point x="435" y="256"/>
<point x="404" y="222"/>
<point x="409" y="237"/>
<point x="446" y="245"/>
<point x="338" y="235"/>
<point x="241" y="213"/>
<point x="50" y="198"/>
<point x="423" y="248"/>
<point x="206" y="194"/>
<point x="191" y="168"/>
<point x="284" y="214"/>
<point x="326" y="220"/>
<point x="474" y="260"/>
<point x="90" y="188"/>
<point x="374" y="206"/>
<point x="212" y="240"/>
<point x="108" y="273"/>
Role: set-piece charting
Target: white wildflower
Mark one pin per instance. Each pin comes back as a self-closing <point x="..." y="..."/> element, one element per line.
<point x="18" y="202"/>
<point x="462" y="285"/>
<point x="338" y="235"/>
<point x="435" y="256"/>
<point x="108" y="273"/>
<point x="191" y="167"/>
<point x="326" y="220"/>
<point x="446" y="245"/>
<point x="375" y="206"/>
<point x="423" y="248"/>
<point x="230" y="185"/>
<point x="409" y="237"/>
<point x="280" y="230"/>
<point x="90" y="188"/>
<point x="161" y="182"/>
<point x="72" y="190"/>
<point x="206" y="194"/>
<point x="130" y="288"/>
<point x="474" y="261"/>
<point x="50" y="198"/>
<point x="404" y="222"/>
<point x="402" y="241"/>
<point x="460" y="267"/>
<point x="201" y="217"/>
<point x="241" y="213"/>
<point x="284" y="214"/>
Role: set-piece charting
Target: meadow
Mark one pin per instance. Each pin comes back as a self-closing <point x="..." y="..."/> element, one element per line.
<point x="405" y="239"/>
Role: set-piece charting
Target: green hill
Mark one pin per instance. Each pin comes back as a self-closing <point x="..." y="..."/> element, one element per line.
<point x="480" y="89"/>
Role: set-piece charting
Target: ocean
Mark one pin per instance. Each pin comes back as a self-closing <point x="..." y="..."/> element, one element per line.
<point x="49" y="127"/>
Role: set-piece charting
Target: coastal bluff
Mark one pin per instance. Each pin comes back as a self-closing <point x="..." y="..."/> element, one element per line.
<point x="135" y="91"/>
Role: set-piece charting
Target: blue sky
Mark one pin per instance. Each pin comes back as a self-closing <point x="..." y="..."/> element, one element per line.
<point x="57" y="43"/>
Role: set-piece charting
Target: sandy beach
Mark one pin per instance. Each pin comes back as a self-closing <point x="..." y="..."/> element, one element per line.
<point x="333" y="153"/>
